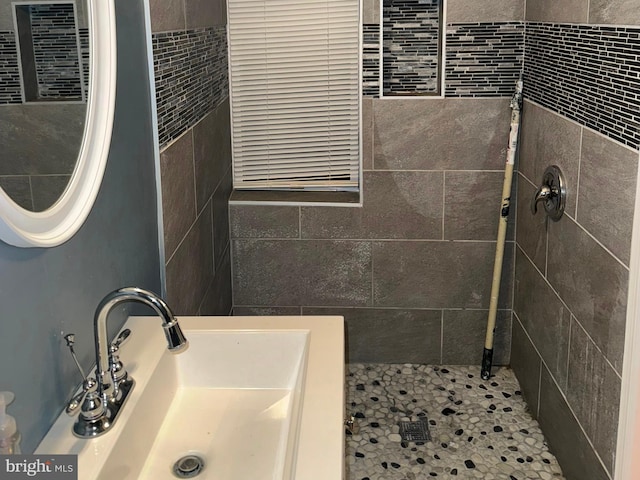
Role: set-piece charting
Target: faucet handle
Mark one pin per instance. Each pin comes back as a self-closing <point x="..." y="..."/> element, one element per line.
<point x="552" y="193"/>
<point x="118" y="372"/>
<point x="119" y="340"/>
<point x="76" y="402"/>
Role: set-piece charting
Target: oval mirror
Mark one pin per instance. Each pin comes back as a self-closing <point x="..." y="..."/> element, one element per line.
<point x="57" y="97"/>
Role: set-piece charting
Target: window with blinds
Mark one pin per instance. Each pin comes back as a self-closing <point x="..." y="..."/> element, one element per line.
<point x="295" y="93"/>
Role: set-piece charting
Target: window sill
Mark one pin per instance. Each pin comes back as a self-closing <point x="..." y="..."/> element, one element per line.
<point x="307" y="199"/>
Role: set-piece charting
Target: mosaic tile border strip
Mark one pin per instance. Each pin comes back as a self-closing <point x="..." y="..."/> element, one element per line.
<point x="10" y="83"/>
<point x="371" y="60"/>
<point x="411" y="47"/>
<point x="83" y="33"/>
<point x="191" y="77"/>
<point x="483" y="59"/>
<point x="55" y="50"/>
<point x="588" y="73"/>
<point x="10" y="89"/>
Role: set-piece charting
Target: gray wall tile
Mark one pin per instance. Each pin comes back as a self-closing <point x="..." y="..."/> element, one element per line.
<point x="19" y="189"/>
<point x="301" y="272"/>
<point x="205" y="13"/>
<point x="526" y="364"/>
<point x="221" y="218"/>
<point x="592" y="284"/>
<point x="389" y="335"/>
<point x="557" y="11"/>
<point x="463" y="335"/>
<point x="532" y="229"/>
<point x="178" y="191"/>
<point x="471" y="11"/>
<point x="367" y="133"/>
<point x="218" y="297"/>
<point x="212" y="151"/>
<point x="371" y="11"/>
<point x="47" y="189"/>
<point x="550" y="139"/>
<point x="593" y="391"/>
<point x="435" y="134"/>
<point x="43" y="139"/>
<point x="261" y="311"/>
<point x="617" y="12"/>
<point x="167" y="15"/>
<point x="264" y="221"/>
<point x="564" y="435"/>
<point x="191" y="270"/>
<point x="472" y="205"/>
<point x="396" y="205"/>
<point x="543" y="316"/>
<point x="415" y="274"/>
<point x="606" y="193"/>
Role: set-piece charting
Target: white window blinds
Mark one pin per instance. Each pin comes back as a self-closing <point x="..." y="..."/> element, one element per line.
<point x="295" y="93"/>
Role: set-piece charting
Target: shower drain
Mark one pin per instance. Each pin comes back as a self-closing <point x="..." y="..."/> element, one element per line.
<point x="415" y="431"/>
<point x="188" y="466"/>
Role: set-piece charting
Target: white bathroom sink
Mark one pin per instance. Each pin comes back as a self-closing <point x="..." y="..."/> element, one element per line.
<point x="253" y="397"/>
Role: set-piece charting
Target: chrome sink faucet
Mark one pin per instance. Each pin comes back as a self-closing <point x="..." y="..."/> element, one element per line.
<point x="102" y="399"/>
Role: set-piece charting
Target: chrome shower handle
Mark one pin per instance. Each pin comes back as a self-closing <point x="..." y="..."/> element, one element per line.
<point x="542" y="194"/>
<point x="552" y="193"/>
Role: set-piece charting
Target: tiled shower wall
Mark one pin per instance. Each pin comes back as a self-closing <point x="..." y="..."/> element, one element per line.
<point x="190" y="63"/>
<point x="571" y="277"/>
<point x="411" y="269"/>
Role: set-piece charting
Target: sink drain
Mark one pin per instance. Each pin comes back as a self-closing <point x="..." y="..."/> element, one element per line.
<point x="188" y="466"/>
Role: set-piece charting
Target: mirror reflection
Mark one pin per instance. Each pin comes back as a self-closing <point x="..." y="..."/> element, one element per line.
<point x="44" y="70"/>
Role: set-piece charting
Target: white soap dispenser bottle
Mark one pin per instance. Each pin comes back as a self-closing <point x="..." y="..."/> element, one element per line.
<point x="9" y="435"/>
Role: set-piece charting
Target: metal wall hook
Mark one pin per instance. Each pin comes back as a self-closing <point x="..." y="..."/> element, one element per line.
<point x="552" y="193"/>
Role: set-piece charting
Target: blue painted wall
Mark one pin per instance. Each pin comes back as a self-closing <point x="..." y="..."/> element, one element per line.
<point x="46" y="293"/>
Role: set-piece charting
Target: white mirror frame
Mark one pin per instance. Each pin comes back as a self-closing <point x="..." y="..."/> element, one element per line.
<point x="56" y="225"/>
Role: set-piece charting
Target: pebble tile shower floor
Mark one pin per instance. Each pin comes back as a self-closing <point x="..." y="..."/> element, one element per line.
<point x="479" y="429"/>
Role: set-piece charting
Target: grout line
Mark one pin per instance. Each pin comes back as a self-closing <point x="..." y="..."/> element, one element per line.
<point x="441" y="337"/>
<point x="546" y="247"/>
<point x="184" y="12"/>
<point x="562" y="393"/>
<point x="578" y="176"/>
<point x="539" y="387"/>
<point x="204" y="297"/>
<point x="444" y="197"/>
<point x="366" y="307"/>
<point x="613" y="255"/>
<point x="372" y="277"/>
<point x="580" y="426"/>
<point x="213" y="236"/>
<point x="425" y="170"/>
<point x="598" y="349"/>
<point x="193" y="168"/>
<point x="571" y="321"/>
<point x="191" y="227"/>
<point x="567" y="307"/>
<point x="399" y="240"/>
<point x="33" y="203"/>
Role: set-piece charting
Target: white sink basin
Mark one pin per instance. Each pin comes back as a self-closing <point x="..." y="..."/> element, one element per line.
<point x="254" y="397"/>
